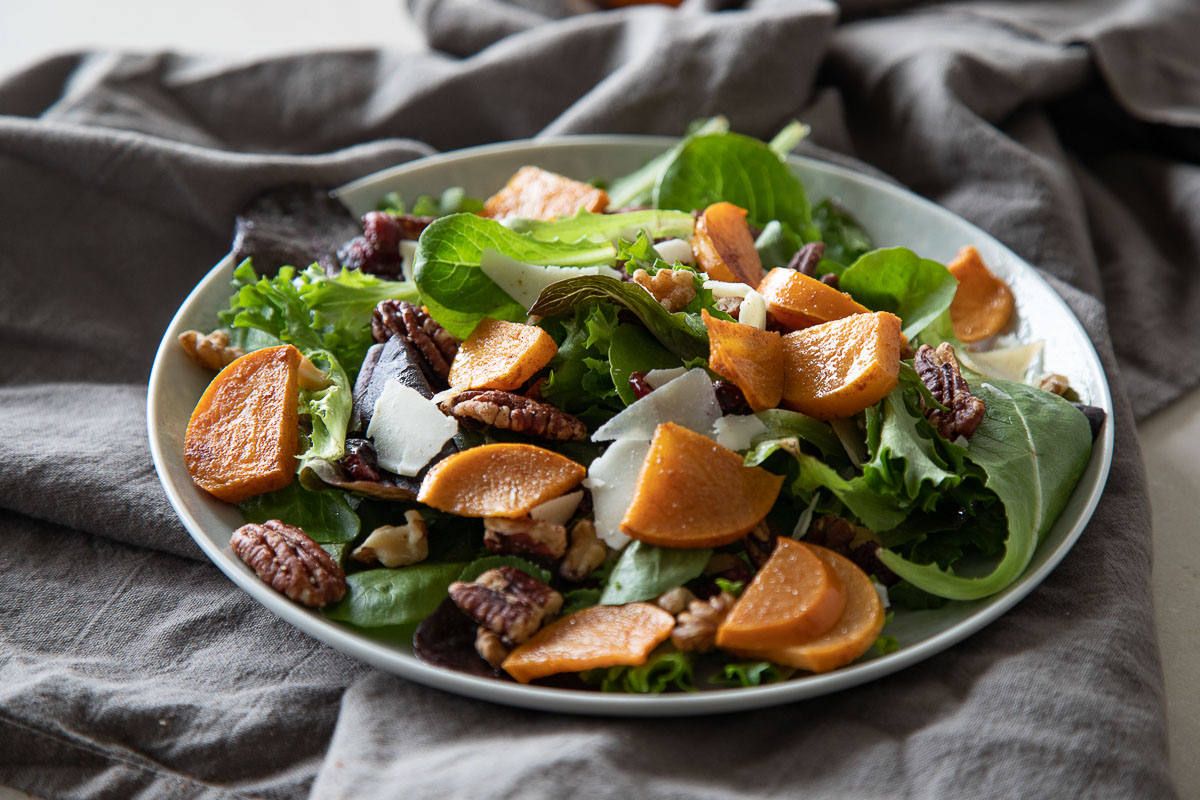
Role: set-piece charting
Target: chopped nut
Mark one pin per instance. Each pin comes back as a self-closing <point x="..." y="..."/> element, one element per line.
<point x="585" y="554"/>
<point x="401" y="318"/>
<point x="289" y="561"/>
<point x="514" y="413"/>
<point x="696" y="628"/>
<point x="676" y="600"/>
<point x="312" y="378"/>
<point x="212" y="351"/>
<point x="730" y="305"/>
<point x="1055" y="384"/>
<point x="491" y="647"/>
<point x="855" y="542"/>
<point x="507" y="601"/>
<point x="505" y="536"/>
<point x="672" y="288"/>
<point x="939" y="372"/>
<point x="396" y="545"/>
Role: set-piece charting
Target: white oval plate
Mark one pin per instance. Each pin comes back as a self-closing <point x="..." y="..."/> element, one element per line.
<point x="892" y="216"/>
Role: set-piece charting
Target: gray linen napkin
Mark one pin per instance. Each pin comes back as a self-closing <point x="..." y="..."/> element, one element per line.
<point x="130" y="667"/>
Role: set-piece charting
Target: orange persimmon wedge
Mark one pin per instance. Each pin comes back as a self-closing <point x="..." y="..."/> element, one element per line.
<point x="838" y="368"/>
<point x="851" y="635"/>
<point x="535" y="193"/>
<point x="500" y="355"/>
<point x="724" y="245"/>
<point x="749" y="357"/>
<point x="242" y="437"/>
<point x="595" y="637"/>
<point x="982" y="303"/>
<point x="797" y="301"/>
<point x="692" y="492"/>
<point x="498" y="480"/>
<point x="795" y="597"/>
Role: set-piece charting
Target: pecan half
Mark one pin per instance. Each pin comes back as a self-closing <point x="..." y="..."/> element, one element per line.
<point x="507" y="601"/>
<point x="537" y="537"/>
<point x="807" y="258"/>
<point x="672" y="288"/>
<point x="401" y="318"/>
<point x="585" y="554"/>
<point x="490" y="647"/>
<point x="696" y="628"/>
<point x="289" y="561"/>
<point x="939" y="372"/>
<point x="514" y="413"/>
<point x="212" y="351"/>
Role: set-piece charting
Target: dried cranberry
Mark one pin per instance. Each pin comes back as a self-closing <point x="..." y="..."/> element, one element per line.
<point x="377" y="251"/>
<point x="382" y="230"/>
<point x="730" y="398"/>
<point x="637" y="382"/>
<point x="360" y="462"/>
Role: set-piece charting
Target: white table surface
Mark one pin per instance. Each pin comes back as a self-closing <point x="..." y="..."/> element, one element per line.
<point x="31" y="31"/>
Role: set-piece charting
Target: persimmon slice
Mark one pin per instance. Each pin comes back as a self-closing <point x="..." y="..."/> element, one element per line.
<point x="851" y="635"/>
<point x="500" y="355"/>
<point x="797" y="301"/>
<point x="795" y="597"/>
<point x="535" y="193"/>
<point x="498" y="480"/>
<point x="693" y="493"/>
<point x="836" y="369"/>
<point x="982" y="303"/>
<point x="593" y="638"/>
<point x="751" y="358"/>
<point x="724" y="245"/>
<point x="242" y="437"/>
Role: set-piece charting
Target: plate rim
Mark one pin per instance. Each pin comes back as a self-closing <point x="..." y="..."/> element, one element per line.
<point x="608" y="704"/>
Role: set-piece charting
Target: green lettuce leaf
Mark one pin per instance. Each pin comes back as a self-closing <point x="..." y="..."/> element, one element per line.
<point x="897" y="280"/>
<point x="844" y="238"/>
<point x="644" y="571"/>
<point x="682" y="334"/>
<point x="378" y="597"/>
<point x="457" y="292"/>
<point x="586" y="226"/>
<point x="666" y="668"/>
<point x="751" y="673"/>
<point x="579" y="377"/>
<point x="1032" y="447"/>
<point x="632" y="349"/>
<point x="637" y="188"/>
<point x="325" y="516"/>
<point x="740" y="170"/>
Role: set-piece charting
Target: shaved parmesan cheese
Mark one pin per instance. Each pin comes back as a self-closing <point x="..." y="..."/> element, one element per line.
<point x="524" y="282"/>
<point x="689" y="400"/>
<point x="407" y="429"/>
<point x="408" y="251"/>
<point x="661" y="377"/>
<point x="558" y="510"/>
<point x="612" y="479"/>
<point x="737" y="431"/>
<point x="753" y="311"/>
<point x="1007" y="363"/>
<point x="673" y="250"/>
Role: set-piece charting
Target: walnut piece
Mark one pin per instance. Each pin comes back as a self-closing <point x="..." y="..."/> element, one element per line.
<point x="491" y="647"/>
<point x="396" y="545"/>
<point x="730" y="305"/>
<point x="855" y="542"/>
<point x="696" y="628"/>
<point x="672" y="288"/>
<point x="1055" y="384"/>
<point x="212" y="351"/>
<point x="537" y="537"/>
<point x="939" y="372"/>
<point x="508" y="602"/>
<point x="289" y="561"/>
<point x="585" y="554"/>
<point x="401" y="318"/>
<point x="515" y="413"/>
<point x="674" y="601"/>
<point x="760" y="542"/>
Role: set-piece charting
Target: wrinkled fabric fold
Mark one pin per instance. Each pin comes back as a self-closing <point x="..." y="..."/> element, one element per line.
<point x="129" y="666"/>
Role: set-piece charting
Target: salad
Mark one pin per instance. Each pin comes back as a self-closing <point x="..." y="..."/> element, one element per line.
<point x="677" y="430"/>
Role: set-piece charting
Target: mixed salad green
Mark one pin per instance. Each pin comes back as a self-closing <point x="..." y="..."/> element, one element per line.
<point x="956" y="520"/>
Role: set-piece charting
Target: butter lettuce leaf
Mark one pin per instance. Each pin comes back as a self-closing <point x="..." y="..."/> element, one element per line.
<point x="897" y="280"/>
<point x="645" y="571"/>
<point x="586" y="226"/>
<point x="457" y="292"/>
